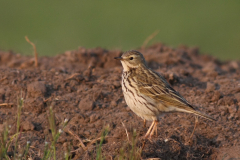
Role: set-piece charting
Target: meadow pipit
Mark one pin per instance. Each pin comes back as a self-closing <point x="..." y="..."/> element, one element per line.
<point x="148" y="94"/>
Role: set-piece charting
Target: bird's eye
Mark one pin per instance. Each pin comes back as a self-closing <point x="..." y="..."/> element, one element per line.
<point x="131" y="58"/>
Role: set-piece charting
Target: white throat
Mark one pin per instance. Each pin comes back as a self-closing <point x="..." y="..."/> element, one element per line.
<point x="125" y="67"/>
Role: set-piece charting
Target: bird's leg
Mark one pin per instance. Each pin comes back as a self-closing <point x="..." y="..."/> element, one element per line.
<point x="144" y="123"/>
<point x="196" y="121"/>
<point x="150" y="129"/>
<point x="154" y="129"/>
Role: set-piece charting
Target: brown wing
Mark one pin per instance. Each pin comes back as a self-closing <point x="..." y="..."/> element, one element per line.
<point x="156" y="87"/>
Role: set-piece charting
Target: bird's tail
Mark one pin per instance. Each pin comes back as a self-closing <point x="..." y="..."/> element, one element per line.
<point x="202" y="115"/>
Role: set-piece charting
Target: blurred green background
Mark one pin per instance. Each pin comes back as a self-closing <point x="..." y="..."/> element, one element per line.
<point x="56" y="25"/>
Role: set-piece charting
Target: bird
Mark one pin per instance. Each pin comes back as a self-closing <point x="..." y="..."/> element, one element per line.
<point x="148" y="94"/>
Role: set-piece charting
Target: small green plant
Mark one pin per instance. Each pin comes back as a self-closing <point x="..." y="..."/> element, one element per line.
<point x="18" y="132"/>
<point x="67" y="154"/>
<point x="26" y="151"/>
<point x="5" y="141"/>
<point x="131" y="151"/>
<point x="51" y="152"/>
<point x="99" y="148"/>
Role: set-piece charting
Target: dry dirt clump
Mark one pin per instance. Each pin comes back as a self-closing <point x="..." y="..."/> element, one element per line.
<point x="84" y="86"/>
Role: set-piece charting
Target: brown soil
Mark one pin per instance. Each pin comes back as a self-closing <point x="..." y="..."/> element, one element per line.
<point x="84" y="87"/>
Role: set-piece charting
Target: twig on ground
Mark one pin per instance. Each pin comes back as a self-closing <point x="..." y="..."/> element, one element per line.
<point x="3" y="78"/>
<point x="75" y="76"/>
<point x="149" y="38"/>
<point x="196" y="121"/>
<point x="126" y="131"/>
<point x="35" y="51"/>
<point x="95" y="140"/>
<point x="79" y="139"/>
<point x="6" y="104"/>
<point x="45" y="100"/>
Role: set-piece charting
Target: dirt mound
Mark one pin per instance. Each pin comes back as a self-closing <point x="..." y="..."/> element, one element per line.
<point x="84" y="86"/>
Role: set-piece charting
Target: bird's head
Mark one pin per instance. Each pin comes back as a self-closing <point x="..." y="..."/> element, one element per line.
<point x="131" y="59"/>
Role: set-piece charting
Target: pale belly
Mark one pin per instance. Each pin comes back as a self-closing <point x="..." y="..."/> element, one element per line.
<point x="140" y="105"/>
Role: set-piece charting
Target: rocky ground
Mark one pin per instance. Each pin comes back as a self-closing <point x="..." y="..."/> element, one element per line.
<point x="84" y="87"/>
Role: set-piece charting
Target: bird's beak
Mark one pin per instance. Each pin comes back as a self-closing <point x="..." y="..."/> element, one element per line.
<point x="118" y="58"/>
